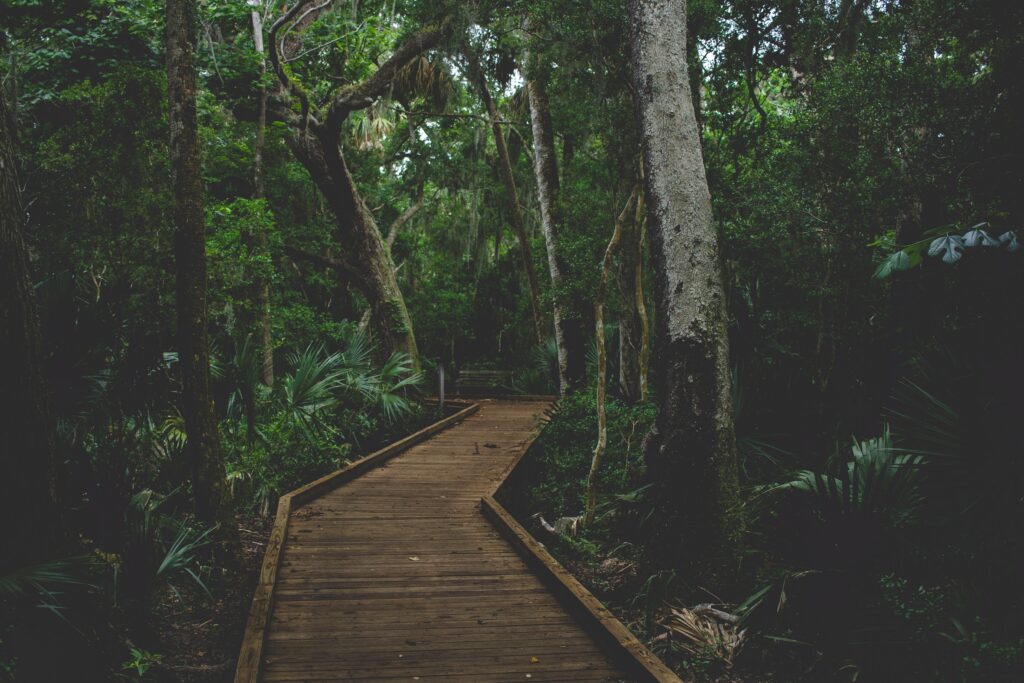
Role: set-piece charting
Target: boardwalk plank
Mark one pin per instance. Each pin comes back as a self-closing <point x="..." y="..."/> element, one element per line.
<point x="348" y="600"/>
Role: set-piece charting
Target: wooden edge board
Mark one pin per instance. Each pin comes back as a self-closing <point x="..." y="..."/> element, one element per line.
<point x="623" y="646"/>
<point x="250" y="655"/>
<point x="448" y="400"/>
<point x="514" y="397"/>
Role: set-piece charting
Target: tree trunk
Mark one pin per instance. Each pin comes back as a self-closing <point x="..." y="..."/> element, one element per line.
<point x="515" y="211"/>
<point x="203" y="446"/>
<point x="261" y="298"/>
<point x="27" y="467"/>
<point x="691" y="451"/>
<point x="569" y="337"/>
<point x="632" y="323"/>
<point x="316" y="144"/>
<point x="602" y="357"/>
<point x="366" y="253"/>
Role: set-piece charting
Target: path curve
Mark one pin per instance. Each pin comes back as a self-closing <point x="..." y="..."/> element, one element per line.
<point x="396" y="575"/>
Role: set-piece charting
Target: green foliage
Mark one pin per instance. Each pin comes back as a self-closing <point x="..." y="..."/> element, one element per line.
<point x="158" y="548"/>
<point x="836" y="150"/>
<point x="44" y="585"/>
<point x="141" y="662"/>
<point x="323" y="407"/>
<point x="876" y="483"/>
<point x="560" y="458"/>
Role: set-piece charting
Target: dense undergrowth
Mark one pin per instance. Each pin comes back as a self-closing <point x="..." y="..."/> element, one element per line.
<point x="856" y="561"/>
<point x="145" y="597"/>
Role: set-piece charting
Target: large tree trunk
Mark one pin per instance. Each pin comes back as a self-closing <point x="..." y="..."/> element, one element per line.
<point x="261" y="298"/>
<point x="515" y="211"/>
<point x="691" y="450"/>
<point x="203" y="447"/>
<point x="632" y="323"/>
<point x="569" y="336"/>
<point x="27" y="466"/>
<point x="367" y="258"/>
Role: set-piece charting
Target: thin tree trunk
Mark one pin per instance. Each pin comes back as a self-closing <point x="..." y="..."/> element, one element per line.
<point x="641" y="307"/>
<point x="602" y="356"/>
<point x="262" y="287"/>
<point x="631" y="320"/>
<point x="203" y="447"/>
<point x="28" y="496"/>
<point x="569" y="337"/>
<point x="691" y="451"/>
<point x="515" y="211"/>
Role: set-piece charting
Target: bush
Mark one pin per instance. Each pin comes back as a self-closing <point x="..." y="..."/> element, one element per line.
<point x="560" y="458"/>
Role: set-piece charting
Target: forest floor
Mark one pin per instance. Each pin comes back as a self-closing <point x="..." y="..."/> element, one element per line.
<point x="199" y="637"/>
<point x="618" y="584"/>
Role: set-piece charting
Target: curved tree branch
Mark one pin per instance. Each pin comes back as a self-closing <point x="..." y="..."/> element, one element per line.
<point x="361" y="95"/>
<point x="404" y="218"/>
<point x="339" y="265"/>
<point x="276" y="57"/>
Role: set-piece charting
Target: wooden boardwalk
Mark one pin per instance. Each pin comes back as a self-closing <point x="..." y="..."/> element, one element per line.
<point x="396" y="575"/>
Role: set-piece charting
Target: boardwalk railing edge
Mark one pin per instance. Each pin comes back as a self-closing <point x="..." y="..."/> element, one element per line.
<point x="624" y="647"/>
<point x="251" y="654"/>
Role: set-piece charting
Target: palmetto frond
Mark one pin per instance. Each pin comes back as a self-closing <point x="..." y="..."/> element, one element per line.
<point x="877" y="482"/>
<point x="425" y="78"/>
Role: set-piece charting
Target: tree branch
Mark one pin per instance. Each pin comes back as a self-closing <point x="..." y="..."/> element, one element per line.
<point x="361" y="95"/>
<point x="276" y="57"/>
<point x="404" y="218"/>
<point x="324" y="261"/>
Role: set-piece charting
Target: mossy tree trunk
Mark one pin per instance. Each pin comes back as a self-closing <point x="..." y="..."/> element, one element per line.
<point x="691" y="451"/>
<point x="316" y="143"/>
<point x="367" y="259"/>
<point x="203" y="441"/>
<point x="633" y="336"/>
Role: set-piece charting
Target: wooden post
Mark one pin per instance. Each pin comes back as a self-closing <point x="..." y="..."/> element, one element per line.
<point x="440" y="378"/>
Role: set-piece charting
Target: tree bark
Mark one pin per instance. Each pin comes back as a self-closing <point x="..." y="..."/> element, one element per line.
<point x="203" y="442"/>
<point x="28" y="496"/>
<point x="691" y="450"/>
<point x="569" y="337"/>
<point x="632" y="323"/>
<point x="261" y="300"/>
<point x="645" y="320"/>
<point x="515" y="211"/>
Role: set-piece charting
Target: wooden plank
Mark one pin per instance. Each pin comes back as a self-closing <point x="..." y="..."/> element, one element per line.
<point x="247" y="670"/>
<point x="345" y="598"/>
<point x="326" y="483"/>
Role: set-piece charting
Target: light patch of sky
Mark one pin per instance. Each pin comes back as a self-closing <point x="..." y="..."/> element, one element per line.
<point x="398" y="170"/>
